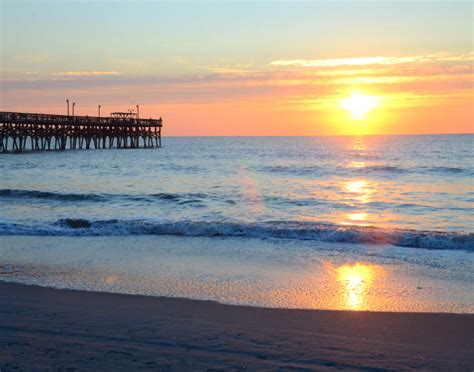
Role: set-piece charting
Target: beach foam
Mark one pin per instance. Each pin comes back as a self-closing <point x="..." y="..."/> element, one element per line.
<point x="266" y="230"/>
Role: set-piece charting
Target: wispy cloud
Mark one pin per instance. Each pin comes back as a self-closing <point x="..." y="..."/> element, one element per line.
<point x="364" y="61"/>
<point x="85" y="73"/>
<point x="333" y="62"/>
<point x="291" y="84"/>
<point x="237" y="69"/>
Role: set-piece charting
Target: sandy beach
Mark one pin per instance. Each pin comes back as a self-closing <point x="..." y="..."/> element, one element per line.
<point x="50" y="329"/>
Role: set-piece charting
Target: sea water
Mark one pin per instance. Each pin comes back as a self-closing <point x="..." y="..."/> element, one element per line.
<point x="376" y="222"/>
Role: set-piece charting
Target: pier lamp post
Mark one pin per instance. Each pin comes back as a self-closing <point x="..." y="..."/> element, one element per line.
<point x="138" y="112"/>
<point x="73" y="104"/>
<point x="99" y="110"/>
<point x="67" y="101"/>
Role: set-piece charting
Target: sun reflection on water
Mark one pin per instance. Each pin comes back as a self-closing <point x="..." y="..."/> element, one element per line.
<point x="358" y="144"/>
<point x="360" y="219"/>
<point x="357" y="187"/>
<point x="356" y="281"/>
<point x="358" y="193"/>
<point x="357" y="164"/>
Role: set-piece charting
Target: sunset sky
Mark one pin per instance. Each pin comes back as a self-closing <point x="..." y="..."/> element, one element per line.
<point x="245" y="68"/>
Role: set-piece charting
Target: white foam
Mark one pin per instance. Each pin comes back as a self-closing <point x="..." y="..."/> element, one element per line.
<point x="265" y="230"/>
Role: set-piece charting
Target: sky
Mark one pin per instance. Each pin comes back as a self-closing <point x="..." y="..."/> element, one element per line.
<point x="247" y="67"/>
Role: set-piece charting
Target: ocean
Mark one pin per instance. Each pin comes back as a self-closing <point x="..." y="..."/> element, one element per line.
<point x="373" y="222"/>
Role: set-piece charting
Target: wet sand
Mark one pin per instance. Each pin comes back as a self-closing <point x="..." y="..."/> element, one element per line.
<point x="49" y="329"/>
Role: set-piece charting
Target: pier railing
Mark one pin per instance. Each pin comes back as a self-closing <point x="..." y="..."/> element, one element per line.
<point x="25" y="118"/>
<point x="24" y="131"/>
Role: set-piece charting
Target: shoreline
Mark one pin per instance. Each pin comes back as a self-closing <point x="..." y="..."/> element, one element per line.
<point x="216" y="302"/>
<point x="46" y="328"/>
<point x="254" y="272"/>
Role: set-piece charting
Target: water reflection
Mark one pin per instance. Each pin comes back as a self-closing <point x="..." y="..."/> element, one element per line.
<point x="357" y="164"/>
<point x="358" y="193"/>
<point x="250" y="190"/>
<point x="360" y="219"/>
<point x="359" y="190"/>
<point x="356" y="281"/>
<point x="358" y="144"/>
<point x="111" y="279"/>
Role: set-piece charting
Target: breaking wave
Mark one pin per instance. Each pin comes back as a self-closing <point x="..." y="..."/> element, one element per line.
<point x="266" y="230"/>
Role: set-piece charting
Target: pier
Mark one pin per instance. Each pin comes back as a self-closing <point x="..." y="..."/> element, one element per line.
<point x="35" y="132"/>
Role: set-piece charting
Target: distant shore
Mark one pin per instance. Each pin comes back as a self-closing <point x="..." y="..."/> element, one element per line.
<point x="44" y="328"/>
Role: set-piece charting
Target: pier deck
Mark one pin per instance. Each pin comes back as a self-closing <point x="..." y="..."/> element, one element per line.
<point x="31" y="132"/>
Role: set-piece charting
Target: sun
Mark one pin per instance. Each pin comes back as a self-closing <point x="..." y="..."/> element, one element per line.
<point x="359" y="104"/>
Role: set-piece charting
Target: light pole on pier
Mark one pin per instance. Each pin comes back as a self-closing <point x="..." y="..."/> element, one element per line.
<point x="73" y="104"/>
<point x="138" y="112"/>
<point x="67" y="101"/>
<point x="99" y="110"/>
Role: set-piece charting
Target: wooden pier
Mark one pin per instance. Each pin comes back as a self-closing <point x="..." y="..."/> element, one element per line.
<point x="34" y="132"/>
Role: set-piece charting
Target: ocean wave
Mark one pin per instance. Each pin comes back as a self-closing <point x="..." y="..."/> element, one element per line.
<point x="448" y="170"/>
<point x="380" y="168"/>
<point x="291" y="170"/>
<point x="267" y="230"/>
<point x="33" y="194"/>
<point x="368" y="169"/>
<point x="397" y="169"/>
<point x="427" y="169"/>
<point x="183" y="198"/>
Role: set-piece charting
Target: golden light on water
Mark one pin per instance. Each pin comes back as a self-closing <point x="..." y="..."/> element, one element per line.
<point x="356" y="281"/>
<point x="356" y="187"/>
<point x="357" y="217"/>
<point x="358" y="144"/>
<point x="359" y="191"/>
<point x="356" y="164"/>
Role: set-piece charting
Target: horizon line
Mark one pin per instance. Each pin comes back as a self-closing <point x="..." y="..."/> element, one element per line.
<point x="326" y="135"/>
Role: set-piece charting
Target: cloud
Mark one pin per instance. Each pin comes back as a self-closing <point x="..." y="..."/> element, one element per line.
<point x="86" y="73"/>
<point x="364" y="61"/>
<point x="328" y="62"/>
<point x="238" y="69"/>
<point x="296" y="84"/>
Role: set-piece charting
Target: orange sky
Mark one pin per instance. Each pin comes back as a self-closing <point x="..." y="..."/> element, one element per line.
<point x="241" y="69"/>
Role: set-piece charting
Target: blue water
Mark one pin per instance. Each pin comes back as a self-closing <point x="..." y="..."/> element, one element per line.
<point x="413" y="191"/>
<point x="359" y="223"/>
